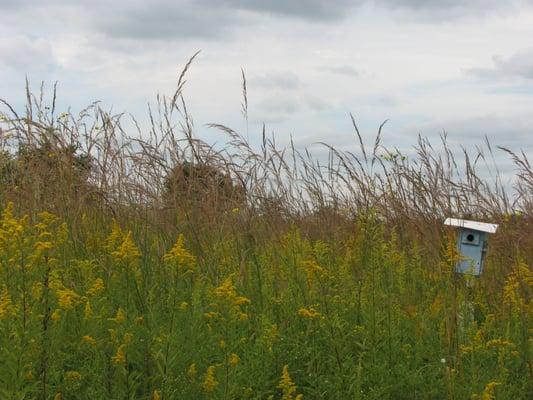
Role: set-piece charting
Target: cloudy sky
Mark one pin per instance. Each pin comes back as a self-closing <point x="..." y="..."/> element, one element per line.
<point x="456" y="65"/>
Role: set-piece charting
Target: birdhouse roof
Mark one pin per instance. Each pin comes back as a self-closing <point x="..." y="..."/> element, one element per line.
<point x="474" y="225"/>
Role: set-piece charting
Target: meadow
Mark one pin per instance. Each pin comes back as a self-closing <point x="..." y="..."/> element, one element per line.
<point x="149" y="265"/>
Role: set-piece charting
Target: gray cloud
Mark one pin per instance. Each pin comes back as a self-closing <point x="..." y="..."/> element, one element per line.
<point x="438" y="4"/>
<point x="168" y="21"/>
<point x="317" y="10"/>
<point x="278" y="80"/>
<point x="519" y="65"/>
<point x="341" y="70"/>
<point x="513" y="132"/>
<point x="22" y="53"/>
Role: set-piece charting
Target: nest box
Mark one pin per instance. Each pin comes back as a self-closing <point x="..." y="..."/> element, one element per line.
<point x="471" y="243"/>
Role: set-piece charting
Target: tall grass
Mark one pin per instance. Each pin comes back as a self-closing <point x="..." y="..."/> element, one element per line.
<point x="151" y="265"/>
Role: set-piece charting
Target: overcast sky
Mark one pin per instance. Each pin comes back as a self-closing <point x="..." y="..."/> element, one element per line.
<point x="456" y="65"/>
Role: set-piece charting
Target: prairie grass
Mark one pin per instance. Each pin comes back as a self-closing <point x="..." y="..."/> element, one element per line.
<point x="149" y="265"/>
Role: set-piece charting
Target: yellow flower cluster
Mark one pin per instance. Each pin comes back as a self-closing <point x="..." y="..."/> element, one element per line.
<point x="309" y="313"/>
<point x="6" y="306"/>
<point x="209" y="382"/>
<point x="120" y="316"/>
<point x="115" y="238"/>
<point x="96" y="288"/>
<point x="67" y="298"/>
<point x="120" y="356"/>
<point x="287" y="386"/>
<point x="180" y="257"/>
<point x="234" y="360"/>
<point x="488" y="392"/>
<point x="192" y="371"/>
<point x="127" y="251"/>
<point x="313" y="271"/>
<point x="519" y="281"/>
<point x="227" y="292"/>
<point x="228" y="301"/>
<point x="89" y="340"/>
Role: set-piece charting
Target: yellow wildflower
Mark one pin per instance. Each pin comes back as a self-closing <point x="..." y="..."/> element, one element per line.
<point x="120" y="357"/>
<point x="313" y="270"/>
<point x="227" y="292"/>
<point x="37" y="290"/>
<point x="309" y="313"/>
<point x="96" y="288"/>
<point x="5" y="303"/>
<point x="210" y="382"/>
<point x="72" y="376"/>
<point x="89" y="340"/>
<point x="488" y="392"/>
<point x="127" y="251"/>
<point x="156" y="395"/>
<point x="56" y="315"/>
<point x="88" y="312"/>
<point x="180" y="257"/>
<point x="287" y="386"/>
<point x="120" y="317"/>
<point x="127" y="337"/>
<point x="242" y="316"/>
<point x="114" y="238"/>
<point x="234" y="359"/>
<point x="112" y="334"/>
<point x="520" y="280"/>
<point x="192" y="371"/>
<point x="67" y="298"/>
<point x="211" y="314"/>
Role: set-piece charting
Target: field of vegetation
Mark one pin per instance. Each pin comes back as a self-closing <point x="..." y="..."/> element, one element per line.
<point x="150" y="265"/>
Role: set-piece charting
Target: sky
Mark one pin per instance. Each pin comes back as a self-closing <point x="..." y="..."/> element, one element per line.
<point x="464" y="67"/>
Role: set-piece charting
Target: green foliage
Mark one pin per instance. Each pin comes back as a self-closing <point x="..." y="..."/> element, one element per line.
<point x="109" y="313"/>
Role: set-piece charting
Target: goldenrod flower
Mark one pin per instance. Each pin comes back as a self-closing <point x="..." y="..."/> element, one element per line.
<point x="5" y="303"/>
<point x="67" y="298"/>
<point x="234" y="359"/>
<point x="56" y="315"/>
<point x="127" y="251"/>
<point x="89" y="340"/>
<point x="120" y="357"/>
<point x="210" y="382"/>
<point x="114" y="238"/>
<point x="96" y="288"/>
<point x="488" y="392"/>
<point x="180" y="257"/>
<point x="72" y="376"/>
<point x="120" y="317"/>
<point x="88" y="312"/>
<point x="287" y="386"/>
<point x="312" y="271"/>
<point x="309" y="313"/>
<point x="127" y="337"/>
<point x="192" y="371"/>
<point x="227" y="292"/>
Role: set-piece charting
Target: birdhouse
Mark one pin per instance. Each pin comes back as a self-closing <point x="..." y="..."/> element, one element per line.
<point x="471" y="244"/>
